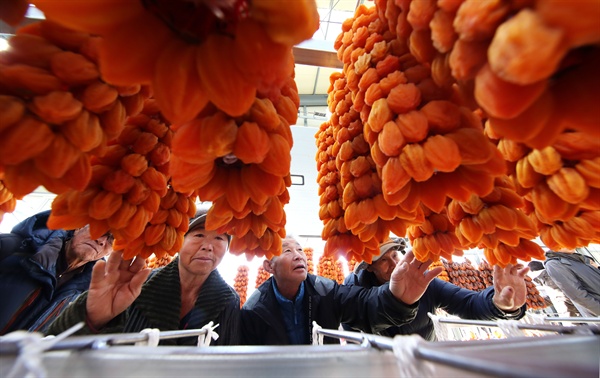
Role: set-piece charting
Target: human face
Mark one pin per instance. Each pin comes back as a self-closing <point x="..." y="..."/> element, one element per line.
<point x="202" y="251"/>
<point x="83" y="248"/>
<point x="384" y="267"/>
<point x="291" y="265"/>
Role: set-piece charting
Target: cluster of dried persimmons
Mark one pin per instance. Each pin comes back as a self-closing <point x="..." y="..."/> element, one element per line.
<point x="457" y="123"/>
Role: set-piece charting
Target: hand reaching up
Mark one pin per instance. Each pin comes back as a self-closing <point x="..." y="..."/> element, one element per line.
<point x="410" y="278"/>
<point x="510" y="290"/>
<point x="115" y="284"/>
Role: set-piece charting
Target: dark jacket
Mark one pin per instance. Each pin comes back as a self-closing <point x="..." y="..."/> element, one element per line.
<point x="577" y="279"/>
<point x="328" y="304"/>
<point x="32" y="292"/>
<point x="159" y="305"/>
<point x="464" y="303"/>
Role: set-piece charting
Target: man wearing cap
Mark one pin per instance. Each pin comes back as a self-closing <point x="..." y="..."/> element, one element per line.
<point x="186" y="294"/>
<point x="504" y="301"/>
<point x="282" y="310"/>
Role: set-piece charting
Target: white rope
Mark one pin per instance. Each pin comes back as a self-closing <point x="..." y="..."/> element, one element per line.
<point x="153" y="337"/>
<point x="440" y="329"/>
<point x="535" y="319"/>
<point x="409" y="365"/>
<point x="342" y="340"/>
<point x="31" y="347"/>
<point x="510" y="328"/>
<point x="205" y="338"/>
<point x="317" y="338"/>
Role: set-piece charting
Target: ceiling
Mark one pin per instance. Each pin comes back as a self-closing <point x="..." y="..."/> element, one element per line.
<point x="313" y="80"/>
<point x="316" y="61"/>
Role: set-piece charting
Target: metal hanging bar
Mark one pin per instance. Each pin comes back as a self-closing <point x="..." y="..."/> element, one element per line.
<point x="572" y="319"/>
<point x="101" y="341"/>
<point x="364" y="339"/>
<point x="457" y="355"/>
<point x="106" y="340"/>
<point x="534" y="327"/>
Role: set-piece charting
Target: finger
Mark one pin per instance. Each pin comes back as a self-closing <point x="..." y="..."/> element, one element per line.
<point x="514" y="270"/>
<point x="415" y="264"/>
<point x="114" y="261"/>
<point x="400" y="269"/>
<point x="125" y="264"/>
<point x="430" y="275"/>
<point x="523" y="271"/>
<point x="408" y="256"/>
<point x="425" y="265"/>
<point x="135" y="285"/>
<point x="506" y="296"/>
<point x="498" y="272"/>
<point x="137" y="264"/>
<point x="98" y="271"/>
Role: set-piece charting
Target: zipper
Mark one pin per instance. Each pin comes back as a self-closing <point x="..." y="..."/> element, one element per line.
<point x="53" y="314"/>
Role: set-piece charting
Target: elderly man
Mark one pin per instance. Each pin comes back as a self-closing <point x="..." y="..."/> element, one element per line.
<point x="186" y="294"/>
<point x="43" y="270"/>
<point x="281" y="311"/>
<point x="505" y="300"/>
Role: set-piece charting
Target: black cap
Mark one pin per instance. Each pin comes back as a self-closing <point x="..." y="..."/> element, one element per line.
<point x="199" y="221"/>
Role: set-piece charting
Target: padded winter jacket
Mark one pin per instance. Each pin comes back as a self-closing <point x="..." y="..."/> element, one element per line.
<point x="466" y="304"/>
<point x="29" y="287"/>
<point x="577" y="279"/>
<point x="159" y="306"/>
<point x="327" y="303"/>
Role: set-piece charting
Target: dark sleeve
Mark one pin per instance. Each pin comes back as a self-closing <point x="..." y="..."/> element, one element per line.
<point x="469" y="304"/>
<point x="372" y="310"/>
<point x="568" y="281"/>
<point x="76" y="313"/>
<point x="229" y="324"/>
<point x="9" y="244"/>
<point x="251" y="328"/>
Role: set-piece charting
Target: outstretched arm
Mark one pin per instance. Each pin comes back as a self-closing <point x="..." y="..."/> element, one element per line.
<point x="115" y="284"/>
<point x="411" y="278"/>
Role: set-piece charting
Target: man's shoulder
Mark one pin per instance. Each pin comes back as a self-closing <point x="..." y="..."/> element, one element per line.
<point x="10" y="242"/>
<point x="257" y="296"/>
<point x="321" y="284"/>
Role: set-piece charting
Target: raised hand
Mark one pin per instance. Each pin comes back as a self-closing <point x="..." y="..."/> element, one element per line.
<point x="510" y="290"/>
<point x="410" y="278"/>
<point x="115" y="284"/>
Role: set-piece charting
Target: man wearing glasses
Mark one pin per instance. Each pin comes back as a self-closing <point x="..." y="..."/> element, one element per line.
<point x="504" y="301"/>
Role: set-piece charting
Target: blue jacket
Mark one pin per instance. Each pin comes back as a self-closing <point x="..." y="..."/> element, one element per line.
<point x="32" y="294"/>
<point x="325" y="302"/>
<point x="464" y="303"/>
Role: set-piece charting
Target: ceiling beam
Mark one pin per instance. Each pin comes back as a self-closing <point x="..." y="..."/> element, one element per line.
<point x="313" y="100"/>
<point x="315" y="52"/>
